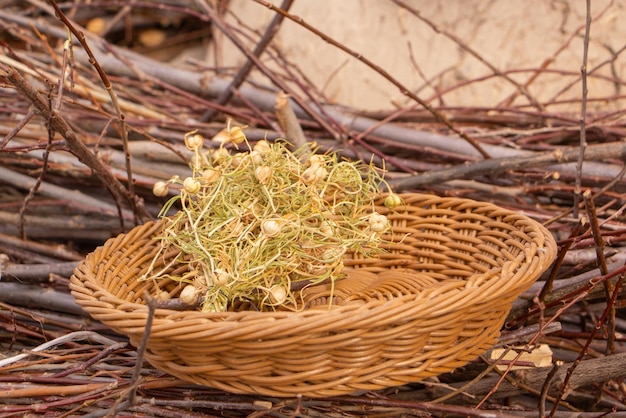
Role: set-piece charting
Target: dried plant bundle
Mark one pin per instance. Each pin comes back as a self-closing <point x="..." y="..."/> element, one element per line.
<point x="252" y="224"/>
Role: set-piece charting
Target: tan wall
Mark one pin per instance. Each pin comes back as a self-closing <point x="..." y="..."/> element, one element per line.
<point x="508" y="34"/>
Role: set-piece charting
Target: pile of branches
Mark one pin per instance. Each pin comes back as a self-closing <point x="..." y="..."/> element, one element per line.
<point x="89" y="123"/>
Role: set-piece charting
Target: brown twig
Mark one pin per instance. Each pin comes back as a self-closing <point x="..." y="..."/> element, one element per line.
<point x="28" y="273"/>
<point x="567" y="383"/>
<point x="59" y="124"/>
<point x="270" y="31"/>
<point x="134" y="202"/>
<point x="499" y="165"/>
<point x="271" y="75"/>
<point x="601" y="262"/>
<point x="465" y="47"/>
<point x="406" y="91"/>
<point x="37" y="184"/>
<point x="583" y="112"/>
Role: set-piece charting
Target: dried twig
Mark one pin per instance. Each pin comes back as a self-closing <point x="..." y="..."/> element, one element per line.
<point x="59" y="124"/>
<point x="583" y="112"/>
<point x="499" y="165"/>
<point x="289" y="122"/>
<point x="74" y="336"/>
<point x="30" y="273"/>
<point x="574" y="369"/>
<point x="33" y="297"/>
<point x="242" y="73"/>
<point x="406" y="91"/>
<point x="464" y="46"/>
<point x="137" y="208"/>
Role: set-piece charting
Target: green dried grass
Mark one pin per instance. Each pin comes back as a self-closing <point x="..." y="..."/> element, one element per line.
<point x="251" y="224"/>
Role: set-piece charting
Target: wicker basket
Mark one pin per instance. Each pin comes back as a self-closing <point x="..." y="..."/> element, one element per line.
<point x="433" y="302"/>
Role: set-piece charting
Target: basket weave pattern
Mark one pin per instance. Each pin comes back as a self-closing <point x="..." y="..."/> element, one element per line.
<point x="435" y="300"/>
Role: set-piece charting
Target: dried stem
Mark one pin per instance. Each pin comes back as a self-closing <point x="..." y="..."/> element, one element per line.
<point x="135" y="204"/>
<point x="583" y="111"/>
<point x="270" y="31"/>
<point x="403" y="89"/>
<point x="59" y="124"/>
<point x="465" y="47"/>
<point x="289" y="122"/>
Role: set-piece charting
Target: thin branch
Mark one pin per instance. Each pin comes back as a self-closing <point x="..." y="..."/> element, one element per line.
<point x="35" y="187"/>
<point x="135" y="204"/>
<point x="569" y="380"/>
<point x="583" y="112"/>
<point x="601" y="261"/>
<point x="500" y="165"/>
<point x="17" y="128"/>
<point x="403" y="89"/>
<point x="31" y="273"/>
<point x="475" y="54"/>
<point x="239" y="78"/>
<point x="268" y="73"/>
<point x="58" y="123"/>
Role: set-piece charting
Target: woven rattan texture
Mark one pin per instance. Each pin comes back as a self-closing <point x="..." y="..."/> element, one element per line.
<point x="435" y="300"/>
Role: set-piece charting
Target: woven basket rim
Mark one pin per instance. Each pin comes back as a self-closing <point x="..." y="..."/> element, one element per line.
<point x="487" y="278"/>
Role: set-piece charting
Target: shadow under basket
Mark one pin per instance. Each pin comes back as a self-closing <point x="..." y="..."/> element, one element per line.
<point x="433" y="301"/>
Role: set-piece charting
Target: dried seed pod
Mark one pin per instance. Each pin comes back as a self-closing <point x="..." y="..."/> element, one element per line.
<point x="263" y="174"/>
<point x="219" y="155"/>
<point x="393" y="200"/>
<point x="262" y="147"/>
<point x="327" y="227"/>
<point x="236" y="135"/>
<point x="198" y="161"/>
<point x="316" y="159"/>
<point x="210" y="175"/>
<point x="194" y="142"/>
<point x="378" y="222"/>
<point x="314" y="174"/>
<point x="191" y="185"/>
<point x="278" y="294"/>
<point x="163" y="295"/>
<point x="236" y="161"/>
<point x="188" y="294"/>
<point x="270" y="227"/>
<point x="220" y="277"/>
<point x="160" y="188"/>
<point x="256" y="157"/>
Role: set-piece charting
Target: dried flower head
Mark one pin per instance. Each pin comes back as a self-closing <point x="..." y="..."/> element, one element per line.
<point x="219" y="156"/>
<point x="314" y="174"/>
<point x="278" y="294"/>
<point x="220" y="277"/>
<point x="210" y="175"/>
<point x="236" y="134"/>
<point x="378" y="222"/>
<point x="270" y="227"/>
<point x="262" y="147"/>
<point x="256" y="157"/>
<point x="230" y="134"/>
